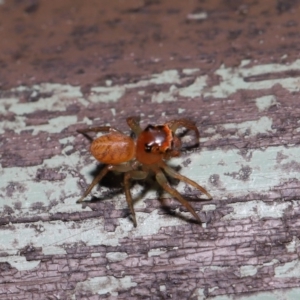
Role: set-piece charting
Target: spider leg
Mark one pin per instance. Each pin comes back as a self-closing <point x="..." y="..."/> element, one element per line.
<point x="162" y="180"/>
<point x="96" y="129"/>
<point x="175" y="124"/>
<point x="176" y="175"/>
<point x="135" y="175"/>
<point x="133" y="123"/>
<point x="94" y="182"/>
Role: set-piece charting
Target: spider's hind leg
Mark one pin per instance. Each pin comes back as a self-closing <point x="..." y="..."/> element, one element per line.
<point x="97" y="179"/>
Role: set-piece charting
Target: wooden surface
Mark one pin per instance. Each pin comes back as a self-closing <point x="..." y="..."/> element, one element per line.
<point x="232" y="68"/>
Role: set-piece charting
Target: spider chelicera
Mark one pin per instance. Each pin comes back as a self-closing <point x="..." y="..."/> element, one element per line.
<point x="137" y="158"/>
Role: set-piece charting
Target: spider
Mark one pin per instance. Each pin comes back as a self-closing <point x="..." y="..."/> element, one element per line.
<point x="136" y="159"/>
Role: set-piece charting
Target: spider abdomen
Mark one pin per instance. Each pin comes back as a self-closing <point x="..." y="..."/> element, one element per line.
<point x="113" y="148"/>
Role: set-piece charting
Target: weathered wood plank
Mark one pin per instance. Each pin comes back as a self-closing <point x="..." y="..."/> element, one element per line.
<point x="248" y="114"/>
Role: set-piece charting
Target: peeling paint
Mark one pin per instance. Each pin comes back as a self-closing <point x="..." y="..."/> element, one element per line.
<point x="283" y="294"/>
<point x="20" y="262"/>
<point x="265" y="171"/>
<point x="116" y="256"/>
<point x="256" y="209"/>
<point x="262" y="125"/>
<point x="248" y="270"/>
<point x="265" y="102"/>
<point x="293" y="245"/>
<point x="289" y="269"/>
<point x="156" y="252"/>
<point x="105" y="284"/>
<point x="233" y="79"/>
<point x="53" y="250"/>
<point x="195" y="89"/>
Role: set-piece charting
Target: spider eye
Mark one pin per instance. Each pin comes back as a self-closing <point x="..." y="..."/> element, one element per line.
<point x="148" y="148"/>
<point x="152" y="147"/>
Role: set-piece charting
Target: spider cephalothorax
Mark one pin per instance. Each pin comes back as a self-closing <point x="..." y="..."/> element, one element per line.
<point x="153" y="146"/>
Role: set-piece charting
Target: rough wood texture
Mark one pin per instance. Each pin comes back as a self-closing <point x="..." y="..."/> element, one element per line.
<point x="234" y="69"/>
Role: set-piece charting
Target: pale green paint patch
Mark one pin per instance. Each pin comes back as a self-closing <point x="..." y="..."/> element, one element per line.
<point x="106" y="94"/>
<point x="162" y="288"/>
<point x="18" y="124"/>
<point x="256" y="209"/>
<point x="60" y="97"/>
<point x="54" y="125"/>
<point x="96" y="254"/>
<point x="209" y="207"/>
<point x="91" y="232"/>
<point x="198" y="294"/>
<point x="195" y="89"/>
<point x="251" y="128"/>
<point x="116" y="256"/>
<point x="289" y="269"/>
<point x="278" y="294"/>
<point x="213" y="268"/>
<point x="293" y="245"/>
<point x="198" y="16"/>
<point x="265" y="102"/>
<point x="27" y="191"/>
<point x="190" y="71"/>
<point x="20" y="262"/>
<point x="237" y="177"/>
<point x="69" y="139"/>
<point x="62" y="90"/>
<point x="105" y="284"/>
<point x="54" y="250"/>
<point x="114" y="93"/>
<point x="169" y="76"/>
<point x="271" y="263"/>
<point x="248" y="270"/>
<point x="164" y="96"/>
<point x="243" y="129"/>
<point x="156" y="252"/>
<point x="233" y="79"/>
<point x="6" y="104"/>
<point x="56" y="97"/>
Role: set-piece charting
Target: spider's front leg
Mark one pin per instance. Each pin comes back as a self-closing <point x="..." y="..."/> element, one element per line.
<point x="134" y="174"/>
<point x="175" y="124"/>
<point x="171" y="172"/>
<point x="133" y="123"/>
<point x="163" y="182"/>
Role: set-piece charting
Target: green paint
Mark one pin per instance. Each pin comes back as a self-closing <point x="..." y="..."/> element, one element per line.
<point x="156" y="252"/>
<point x="105" y="284"/>
<point x="279" y="294"/>
<point x="248" y="270"/>
<point x="265" y="102"/>
<point x="233" y="79"/>
<point x="116" y="256"/>
<point x="289" y="269"/>
<point x="251" y="128"/>
<point x="20" y="262"/>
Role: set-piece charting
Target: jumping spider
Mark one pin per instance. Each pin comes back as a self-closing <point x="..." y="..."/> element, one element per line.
<point x="136" y="159"/>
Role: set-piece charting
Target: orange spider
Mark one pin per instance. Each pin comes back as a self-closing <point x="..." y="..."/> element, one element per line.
<point x="136" y="159"/>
